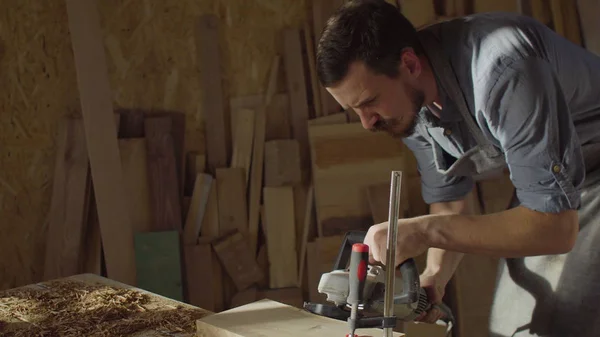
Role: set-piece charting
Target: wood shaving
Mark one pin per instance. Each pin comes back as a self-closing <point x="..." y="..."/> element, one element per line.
<point x="70" y="308"/>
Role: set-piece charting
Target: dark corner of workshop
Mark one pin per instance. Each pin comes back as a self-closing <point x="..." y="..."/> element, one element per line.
<point x="177" y="168"/>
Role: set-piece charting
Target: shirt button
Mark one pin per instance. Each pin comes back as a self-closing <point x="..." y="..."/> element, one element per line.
<point x="556" y="169"/>
<point x="447" y="132"/>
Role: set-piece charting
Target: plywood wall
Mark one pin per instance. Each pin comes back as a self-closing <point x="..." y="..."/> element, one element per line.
<point x="152" y="65"/>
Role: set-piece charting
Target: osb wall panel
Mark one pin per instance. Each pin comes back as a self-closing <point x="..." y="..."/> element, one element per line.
<point x="152" y="65"/>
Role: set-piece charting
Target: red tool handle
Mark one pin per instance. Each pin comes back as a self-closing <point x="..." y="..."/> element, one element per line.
<point x="359" y="259"/>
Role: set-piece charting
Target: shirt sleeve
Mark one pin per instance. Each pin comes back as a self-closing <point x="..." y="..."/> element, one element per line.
<point x="528" y="114"/>
<point x="435" y="187"/>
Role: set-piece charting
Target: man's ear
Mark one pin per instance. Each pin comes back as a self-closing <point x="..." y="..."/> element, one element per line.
<point x="410" y="62"/>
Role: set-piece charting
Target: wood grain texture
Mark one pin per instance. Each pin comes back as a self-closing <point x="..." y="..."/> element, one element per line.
<point x="198" y="204"/>
<point x="296" y="87"/>
<point x="237" y="260"/>
<point x="69" y="206"/>
<point x="218" y="123"/>
<point x="343" y="153"/>
<point x="282" y="163"/>
<point x="281" y="236"/>
<point x="267" y="318"/>
<point x="199" y="281"/>
<point x="231" y="193"/>
<point x="101" y="139"/>
<point x="135" y="172"/>
<point x="162" y="171"/>
<point x="243" y="138"/>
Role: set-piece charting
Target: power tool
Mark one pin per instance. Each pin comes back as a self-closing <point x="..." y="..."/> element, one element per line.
<point x="361" y="291"/>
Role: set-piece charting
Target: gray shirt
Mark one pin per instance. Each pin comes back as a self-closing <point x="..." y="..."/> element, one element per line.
<point x="533" y="94"/>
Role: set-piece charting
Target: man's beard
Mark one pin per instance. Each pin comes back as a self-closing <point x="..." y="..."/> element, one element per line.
<point x="391" y="125"/>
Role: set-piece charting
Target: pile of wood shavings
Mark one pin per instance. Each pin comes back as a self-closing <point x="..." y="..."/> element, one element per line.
<point x="78" y="309"/>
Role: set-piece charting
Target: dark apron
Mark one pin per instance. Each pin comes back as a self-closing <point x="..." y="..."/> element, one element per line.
<point x="553" y="296"/>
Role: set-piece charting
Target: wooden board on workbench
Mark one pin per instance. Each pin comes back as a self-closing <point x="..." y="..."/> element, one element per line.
<point x="346" y="159"/>
<point x="267" y="318"/>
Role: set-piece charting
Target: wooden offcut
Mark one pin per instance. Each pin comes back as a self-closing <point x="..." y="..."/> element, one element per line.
<point x="69" y="208"/>
<point x="346" y="159"/>
<point x="237" y="260"/>
<point x="101" y="138"/>
<point x="282" y="163"/>
<point x="218" y="129"/>
<point x="267" y="318"/>
<point x="197" y="210"/>
<point x="162" y="172"/>
<point x="243" y="137"/>
<point x="231" y="193"/>
<point x="135" y="172"/>
<point x="281" y="236"/>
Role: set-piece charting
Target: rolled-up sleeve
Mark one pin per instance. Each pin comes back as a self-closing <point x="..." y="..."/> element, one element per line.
<point x="528" y="114"/>
<point x="435" y="186"/>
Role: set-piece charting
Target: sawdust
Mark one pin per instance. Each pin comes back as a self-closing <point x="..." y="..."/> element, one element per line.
<point x="78" y="309"/>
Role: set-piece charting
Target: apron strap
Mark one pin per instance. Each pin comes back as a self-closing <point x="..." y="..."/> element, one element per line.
<point x="448" y="80"/>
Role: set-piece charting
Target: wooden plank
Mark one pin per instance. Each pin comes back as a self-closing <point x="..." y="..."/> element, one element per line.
<point x="419" y="12"/>
<point x="481" y="6"/>
<point x="162" y="171"/>
<point x="296" y="87"/>
<point x="218" y="129"/>
<point x="267" y="318"/>
<point x="309" y="45"/>
<point x="198" y="269"/>
<point x="590" y="25"/>
<point x="210" y="221"/>
<point x="131" y="123"/>
<point x="195" y="163"/>
<point x="278" y="124"/>
<point x="282" y="163"/>
<point x="290" y="296"/>
<point x="195" y="216"/>
<point x="496" y="193"/>
<point x="243" y="136"/>
<point x="257" y="166"/>
<point x="305" y="232"/>
<point x="69" y="204"/>
<point x="92" y="247"/>
<point x="379" y="202"/>
<point x="101" y="138"/>
<point x="158" y="263"/>
<point x="231" y="193"/>
<point x="135" y="171"/>
<point x="281" y="236"/>
<point x="346" y="160"/>
<point x="237" y="260"/>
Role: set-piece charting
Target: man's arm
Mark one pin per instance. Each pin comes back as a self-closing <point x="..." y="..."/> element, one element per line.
<point x="516" y="232"/>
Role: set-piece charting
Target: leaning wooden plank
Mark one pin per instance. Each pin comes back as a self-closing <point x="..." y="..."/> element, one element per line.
<point x="346" y="160"/>
<point x="590" y="25"/>
<point x="92" y="247"/>
<point x="135" y="171"/>
<point x="282" y="163"/>
<point x="281" y="236"/>
<point x="69" y="205"/>
<point x="257" y="166"/>
<point x="237" y="260"/>
<point x="296" y="86"/>
<point x="315" y="88"/>
<point x="162" y="170"/>
<point x="243" y="136"/>
<point x="218" y="131"/>
<point x="305" y="232"/>
<point x="231" y="193"/>
<point x="268" y="318"/>
<point x="158" y="263"/>
<point x="198" y="270"/>
<point x="195" y="215"/>
<point x="101" y="139"/>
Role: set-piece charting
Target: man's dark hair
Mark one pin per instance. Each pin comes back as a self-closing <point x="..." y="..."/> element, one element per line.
<point x="371" y="31"/>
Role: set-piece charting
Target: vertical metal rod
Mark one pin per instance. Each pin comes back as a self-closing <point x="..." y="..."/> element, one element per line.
<point x="390" y="260"/>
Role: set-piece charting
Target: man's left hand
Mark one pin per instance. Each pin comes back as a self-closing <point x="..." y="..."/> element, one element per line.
<point x="409" y="241"/>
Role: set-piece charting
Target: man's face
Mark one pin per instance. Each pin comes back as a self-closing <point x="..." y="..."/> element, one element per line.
<point x="382" y="103"/>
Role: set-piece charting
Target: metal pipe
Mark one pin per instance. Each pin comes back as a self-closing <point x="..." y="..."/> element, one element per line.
<point x="390" y="260"/>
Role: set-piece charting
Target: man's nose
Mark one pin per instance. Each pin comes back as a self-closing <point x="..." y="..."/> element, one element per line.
<point x="368" y="120"/>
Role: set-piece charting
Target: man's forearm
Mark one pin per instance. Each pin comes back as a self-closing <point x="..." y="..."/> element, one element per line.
<point x="442" y="262"/>
<point x="516" y="232"/>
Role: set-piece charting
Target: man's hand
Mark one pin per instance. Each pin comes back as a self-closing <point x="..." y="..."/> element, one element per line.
<point x="409" y="241"/>
<point x="435" y="288"/>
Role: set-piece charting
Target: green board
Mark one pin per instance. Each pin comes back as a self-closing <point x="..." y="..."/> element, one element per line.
<point x="158" y="263"/>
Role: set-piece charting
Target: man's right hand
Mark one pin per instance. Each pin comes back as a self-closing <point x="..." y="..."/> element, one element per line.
<point x="435" y="288"/>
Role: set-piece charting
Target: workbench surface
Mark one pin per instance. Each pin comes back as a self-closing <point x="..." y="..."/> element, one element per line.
<point x="91" y="305"/>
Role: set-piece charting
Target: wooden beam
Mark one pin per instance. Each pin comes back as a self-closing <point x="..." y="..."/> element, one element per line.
<point x="101" y="138"/>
